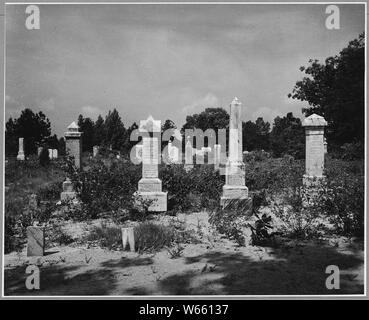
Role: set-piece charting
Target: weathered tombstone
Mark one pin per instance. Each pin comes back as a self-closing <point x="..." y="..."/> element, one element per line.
<point x="68" y="192"/>
<point x="73" y="143"/>
<point x="217" y="150"/>
<point x="128" y="237"/>
<point x="314" y="156"/>
<point x="39" y="150"/>
<point x="95" y="151"/>
<point x="188" y="155"/>
<point x="35" y="241"/>
<point x="173" y="153"/>
<point x="50" y="154"/>
<point x="139" y="152"/>
<point x="55" y="154"/>
<point x="150" y="186"/>
<point x="235" y="187"/>
<point x="20" y="155"/>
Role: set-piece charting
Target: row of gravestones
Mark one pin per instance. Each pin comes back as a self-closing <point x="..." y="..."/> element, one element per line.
<point x="53" y="153"/>
<point x="150" y="186"/>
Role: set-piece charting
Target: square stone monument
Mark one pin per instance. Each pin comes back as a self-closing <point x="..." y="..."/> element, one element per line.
<point x="73" y="148"/>
<point x="314" y="156"/>
<point x="73" y="143"/>
<point x="150" y="186"/>
<point x="235" y="187"/>
<point x="68" y="191"/>
<point x="20" y="155"/>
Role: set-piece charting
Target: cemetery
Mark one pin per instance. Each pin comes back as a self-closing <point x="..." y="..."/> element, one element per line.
<point x="184" y="150"/>
<point x="238" y="223"/>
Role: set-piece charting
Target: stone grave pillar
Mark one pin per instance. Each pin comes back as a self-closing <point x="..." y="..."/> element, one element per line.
<point x="217" y="150"/>
<point x="95" y="151"/>
<point x="73" y="143"/>
<point x="150" y="186"/>
<point x="188" y="155"/>
<point x="314" y="156"/>
<point x="20" y="155"/>
<point x="73" y="148"/>
<point x="235" y="187"/>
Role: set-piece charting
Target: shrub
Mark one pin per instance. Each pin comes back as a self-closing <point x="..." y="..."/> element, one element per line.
<point x="50" y="191"/>
<point x="231" y="220"/>
<point x="343" y="198"/>
<point x="197" y="189"/>
<point x="152" y="237"/>
<point x="44" y="157"/>
<point x="107" y="190"/>
<point x="106" y="236"/>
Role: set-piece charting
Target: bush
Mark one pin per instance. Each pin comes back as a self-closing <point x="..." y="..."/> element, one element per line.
<point x="197" y="189"/>
<point x="231" y="220"/>
<point x="50" y="191"/>
<point x="152" y="237"/>
<point x="343" y="198"/>
<point x="106" y="236"/>
<point x="107" y="190"/>
<point x="44" y="157"/>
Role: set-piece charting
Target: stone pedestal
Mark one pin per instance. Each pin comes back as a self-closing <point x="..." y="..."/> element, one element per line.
<point x="235" y="187"/>
<point x="150" y="186"/>
<point x="68" y="193"/>
<point x="35" y="241"/>
<point x="314" y="156"/>
<point x="21" y="155"/>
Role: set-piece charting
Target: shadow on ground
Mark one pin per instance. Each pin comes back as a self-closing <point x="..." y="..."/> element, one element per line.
<point x="299" y="270"/>
<point x="76" y="280"/>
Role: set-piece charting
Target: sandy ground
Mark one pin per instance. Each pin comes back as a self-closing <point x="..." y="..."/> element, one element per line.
<point x="214" y="266"/>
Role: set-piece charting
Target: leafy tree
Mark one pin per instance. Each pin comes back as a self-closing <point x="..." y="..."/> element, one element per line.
<point x="52" y="142"/>
<point x="335" y="90"/>
<point x="61" y="146"/>
<point x="44" y="157"/>
<point x="287" y="136"/>
<point x="115" y="132"/>
<point x="128" y="144"/>
<point x="86" y="125"/>
<point x="99" y="131"/>
<point x="33" y="127"/>
<point x="211" y="118"/>
<point x="255" y="136"/>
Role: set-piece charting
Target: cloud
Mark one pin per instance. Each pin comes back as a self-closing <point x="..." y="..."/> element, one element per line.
<point x="90" y="111"/>
<point x="208" y="101"/>
<point x="47" y="105"/>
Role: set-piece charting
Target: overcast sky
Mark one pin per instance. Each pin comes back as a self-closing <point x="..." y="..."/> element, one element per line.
<point x="165" y="60"/>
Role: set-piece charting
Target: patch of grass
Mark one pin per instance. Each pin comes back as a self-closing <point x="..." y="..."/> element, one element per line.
<point x="152" y="237"/>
